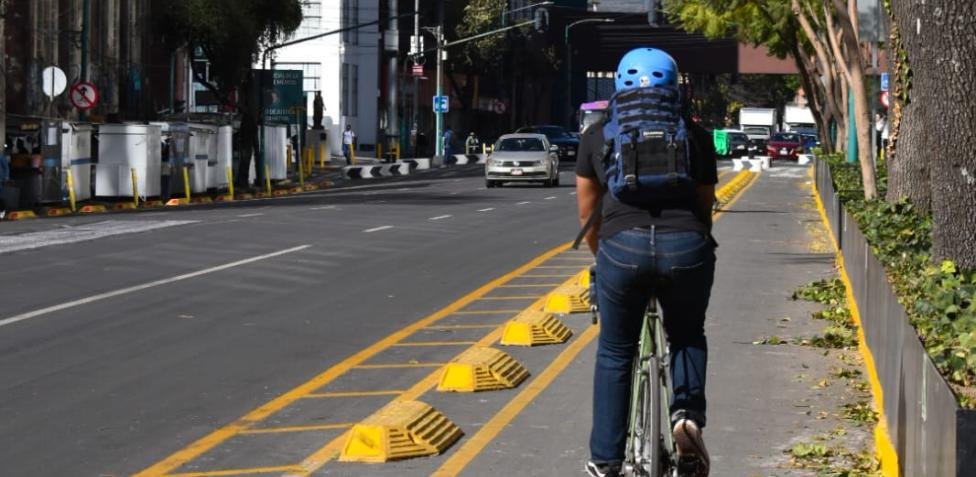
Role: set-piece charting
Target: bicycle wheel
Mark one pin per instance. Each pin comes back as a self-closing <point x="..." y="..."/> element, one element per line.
<point x="652" y="420"/>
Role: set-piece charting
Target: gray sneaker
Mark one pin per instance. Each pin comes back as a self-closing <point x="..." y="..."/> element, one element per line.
<point x="693" y="459"/>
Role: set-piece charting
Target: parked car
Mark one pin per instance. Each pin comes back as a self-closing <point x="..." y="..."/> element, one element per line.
<point x="567" y="144"/>
<point x="522" y="157"/>
<point x="784" y="146"/>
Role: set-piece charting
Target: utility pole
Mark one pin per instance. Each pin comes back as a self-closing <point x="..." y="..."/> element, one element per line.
<point x="416" y="81"/>
<point x="392" y="78"/>
<point x="439" y="123"/>
<point x="3" y="83"/>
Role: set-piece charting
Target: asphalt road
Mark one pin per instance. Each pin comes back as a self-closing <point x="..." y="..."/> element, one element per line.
<point x="125" y="337"/>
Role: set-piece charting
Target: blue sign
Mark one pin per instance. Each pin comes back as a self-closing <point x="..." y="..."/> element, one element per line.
<point x="884" y="81"/>
<point x="441" y="104"/>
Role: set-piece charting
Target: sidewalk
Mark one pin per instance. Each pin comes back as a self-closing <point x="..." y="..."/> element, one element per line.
<point x="765" y="397"/>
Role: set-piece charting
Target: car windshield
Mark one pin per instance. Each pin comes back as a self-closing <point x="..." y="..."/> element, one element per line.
<point x="738" y="137"/>
<point x="517" y="144"/>
<point x="756" y="130"/>
<point x="785" y="137"/>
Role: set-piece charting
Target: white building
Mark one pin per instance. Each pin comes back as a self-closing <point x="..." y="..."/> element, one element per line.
<point x="343" y="66"/>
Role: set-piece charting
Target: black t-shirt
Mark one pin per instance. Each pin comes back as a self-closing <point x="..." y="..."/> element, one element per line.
<point x="618" y="216"/>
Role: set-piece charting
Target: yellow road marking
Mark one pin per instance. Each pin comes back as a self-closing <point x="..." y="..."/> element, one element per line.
<point x="434" y="343"/>
<point x="220" y="435"/>
<point x="310" y="427"/>
<point x="339" y="394"/>
<point x="484" y="312"/>
<point x="476" y="443"/>
<point x="513" y="297"/>
<point x="331" y="450"/>
<point x="883" y="446"/>
<point x="460" y="327"/>
<point x="244" y="471"/>
<point x="540" y="285"/>
<point x="399" y="365"/>
<point x="752" y="181"/>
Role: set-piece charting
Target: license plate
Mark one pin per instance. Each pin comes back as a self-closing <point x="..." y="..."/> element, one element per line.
<point x="571" y="153"/>
<point x="516" y="172"/>
<point x="783" y="151"/>
<point x="740" y="146"/>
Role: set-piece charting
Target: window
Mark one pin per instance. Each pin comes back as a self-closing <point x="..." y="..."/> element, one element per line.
<point x="344" y="97"/>
<point x="355" y="21"/>
<point x="354" y="91"/>
<point x="350" y="17"/>
<point x="311" y="19"/>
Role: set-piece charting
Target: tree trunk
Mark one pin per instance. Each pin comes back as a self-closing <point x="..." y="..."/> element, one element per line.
<point x="862" y="114"/>
<point x="813" y="93"/>
<point x="947" y="26"/>
<point x="248" y="132"/>
<point x="3" y="82"/>
<point x="910" y="144"/>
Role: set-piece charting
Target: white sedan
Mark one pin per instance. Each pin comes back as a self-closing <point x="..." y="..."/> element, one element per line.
<point x="522" y="157"/>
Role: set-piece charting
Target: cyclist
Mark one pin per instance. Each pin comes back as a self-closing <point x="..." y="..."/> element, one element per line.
<point x="667" y="248"/>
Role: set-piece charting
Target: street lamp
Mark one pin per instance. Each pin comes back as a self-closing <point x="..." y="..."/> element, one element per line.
<point x="569" y="58"/>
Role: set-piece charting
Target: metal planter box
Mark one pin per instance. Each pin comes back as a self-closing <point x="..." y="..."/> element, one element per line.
<point x="122" y="147"/>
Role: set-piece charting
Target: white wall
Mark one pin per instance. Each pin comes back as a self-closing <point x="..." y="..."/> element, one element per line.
<point x="330" y="52"/>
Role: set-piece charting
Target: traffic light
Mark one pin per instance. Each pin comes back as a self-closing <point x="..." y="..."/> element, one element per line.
<point x="541" y="19"/>
<point x="651" y="6"/>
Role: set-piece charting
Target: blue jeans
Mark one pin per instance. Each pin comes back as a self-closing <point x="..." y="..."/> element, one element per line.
<point x="679" y="267"/>
<point x="345" y="152"/>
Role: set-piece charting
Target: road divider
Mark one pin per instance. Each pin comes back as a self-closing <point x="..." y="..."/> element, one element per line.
<point x="534" y="327"/>
<point x="571" y="298"/>
<point x="482" y="369"/>
<point x="400" y="430"/>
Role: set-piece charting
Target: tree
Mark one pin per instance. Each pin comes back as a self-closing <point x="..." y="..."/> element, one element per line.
<point x="803" y="29"/>
<point x="231" y="34"/>
<point x="938" y="116"/>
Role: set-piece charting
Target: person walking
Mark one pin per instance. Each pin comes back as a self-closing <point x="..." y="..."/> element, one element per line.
<point x="471" y="144"/>
<point x="348" y="143"/>
<point x="448" y="139"/>
<point x="663" y="246"/>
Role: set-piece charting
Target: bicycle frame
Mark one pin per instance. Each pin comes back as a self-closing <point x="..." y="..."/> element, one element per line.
<point x="650" y="451"/>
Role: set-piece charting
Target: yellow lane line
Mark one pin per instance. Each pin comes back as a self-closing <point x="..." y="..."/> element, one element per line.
<point x="485" y="312"/>
<point x="332" y="449"/>
<point x="527" y="285"/>
<point x="752" y="181"/>
<point x="513" y="297"/>
<point x="244" y="471"/>
<point x="434" y="343"/>
<point x="398" y="365"/>
<point x="883" y="447"/>
<point x="340" y="394"/>
<point x="474" y="445"/>
<point x="461" y="327"/>
<point x="311" y="427"/>
<point x="220" y="435"/>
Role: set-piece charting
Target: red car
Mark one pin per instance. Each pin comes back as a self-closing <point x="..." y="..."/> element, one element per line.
<point x="784" y="146"/>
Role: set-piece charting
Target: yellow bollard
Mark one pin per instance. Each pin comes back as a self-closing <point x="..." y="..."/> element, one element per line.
<point x="267" y="179"/>
<point x="287" y="156"/>
<point x="379" y="151"/>
<point x="398" y="151"/>
<point x="301" y="172"/>
<point x="352" y="154"/>
<point x="135" y="187"/>
<point x="71" y="190"/>
<point x="310" y="157"/>
<point x="186" y="183"/>
<point x="484" y="148"/>
<point x="230" y="182"/>
<point x="322" y="155"/>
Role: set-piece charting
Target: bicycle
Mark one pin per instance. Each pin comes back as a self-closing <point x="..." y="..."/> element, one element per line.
<point x="645" y="454"/>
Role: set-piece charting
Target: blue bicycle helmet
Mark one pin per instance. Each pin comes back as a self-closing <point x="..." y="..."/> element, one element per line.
<point x="643" y="67"/>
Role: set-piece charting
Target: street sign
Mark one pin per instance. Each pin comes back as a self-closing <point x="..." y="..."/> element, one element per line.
<point x="885" y="99"/>
<point x="83" y="95"/>
<point x="418" y="70"/>
<point x="441" y="104"/>
<point x="884" y="81"/>
<point x="498" y="106"/>
<point x="53" y="81"/>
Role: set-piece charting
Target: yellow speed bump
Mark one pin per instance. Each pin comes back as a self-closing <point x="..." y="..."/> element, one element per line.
<point x="729" y="190"/>
<point x="400" y="430"/>
<point x="534" y="327"/>
<point x="482" y="369"/>
<point x="571" y="297"/>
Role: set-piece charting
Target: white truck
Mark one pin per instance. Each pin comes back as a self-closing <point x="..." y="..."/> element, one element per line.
<point x="798" y="118"/>
<point x="757" y="123"/>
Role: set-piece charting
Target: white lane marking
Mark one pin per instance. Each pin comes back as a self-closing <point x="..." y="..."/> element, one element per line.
<point x="377" y="229"/>
<point x="327" y="207"/>
<point x="439" y="217"/>
<point x="489" y="209"/>
<point x="550" y="197"/>
<point x="572" y="193"/>
<point x="123" y="291"/>
<point x="82" y="233"/>
<point x="523" y="203"/>
<point x="403" y="189"/>
<point x="251" y="215"/>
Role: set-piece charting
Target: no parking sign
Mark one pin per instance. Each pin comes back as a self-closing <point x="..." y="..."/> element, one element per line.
<point x="83" y="95"/>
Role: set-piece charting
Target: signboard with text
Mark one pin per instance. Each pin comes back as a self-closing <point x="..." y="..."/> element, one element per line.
<point x="282" y="95"/>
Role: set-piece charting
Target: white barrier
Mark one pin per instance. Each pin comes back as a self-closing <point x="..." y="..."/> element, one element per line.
<point x="755" y="164"/>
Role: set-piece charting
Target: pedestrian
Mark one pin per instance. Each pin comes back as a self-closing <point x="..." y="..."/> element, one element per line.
<point x="884" y="139"/>
<point x="879" y="126"/>
<point x="348" y="143"/>
<point x="648" y="240"/>
<point x="448" y="150"/>
<point x="471" y="144"/>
